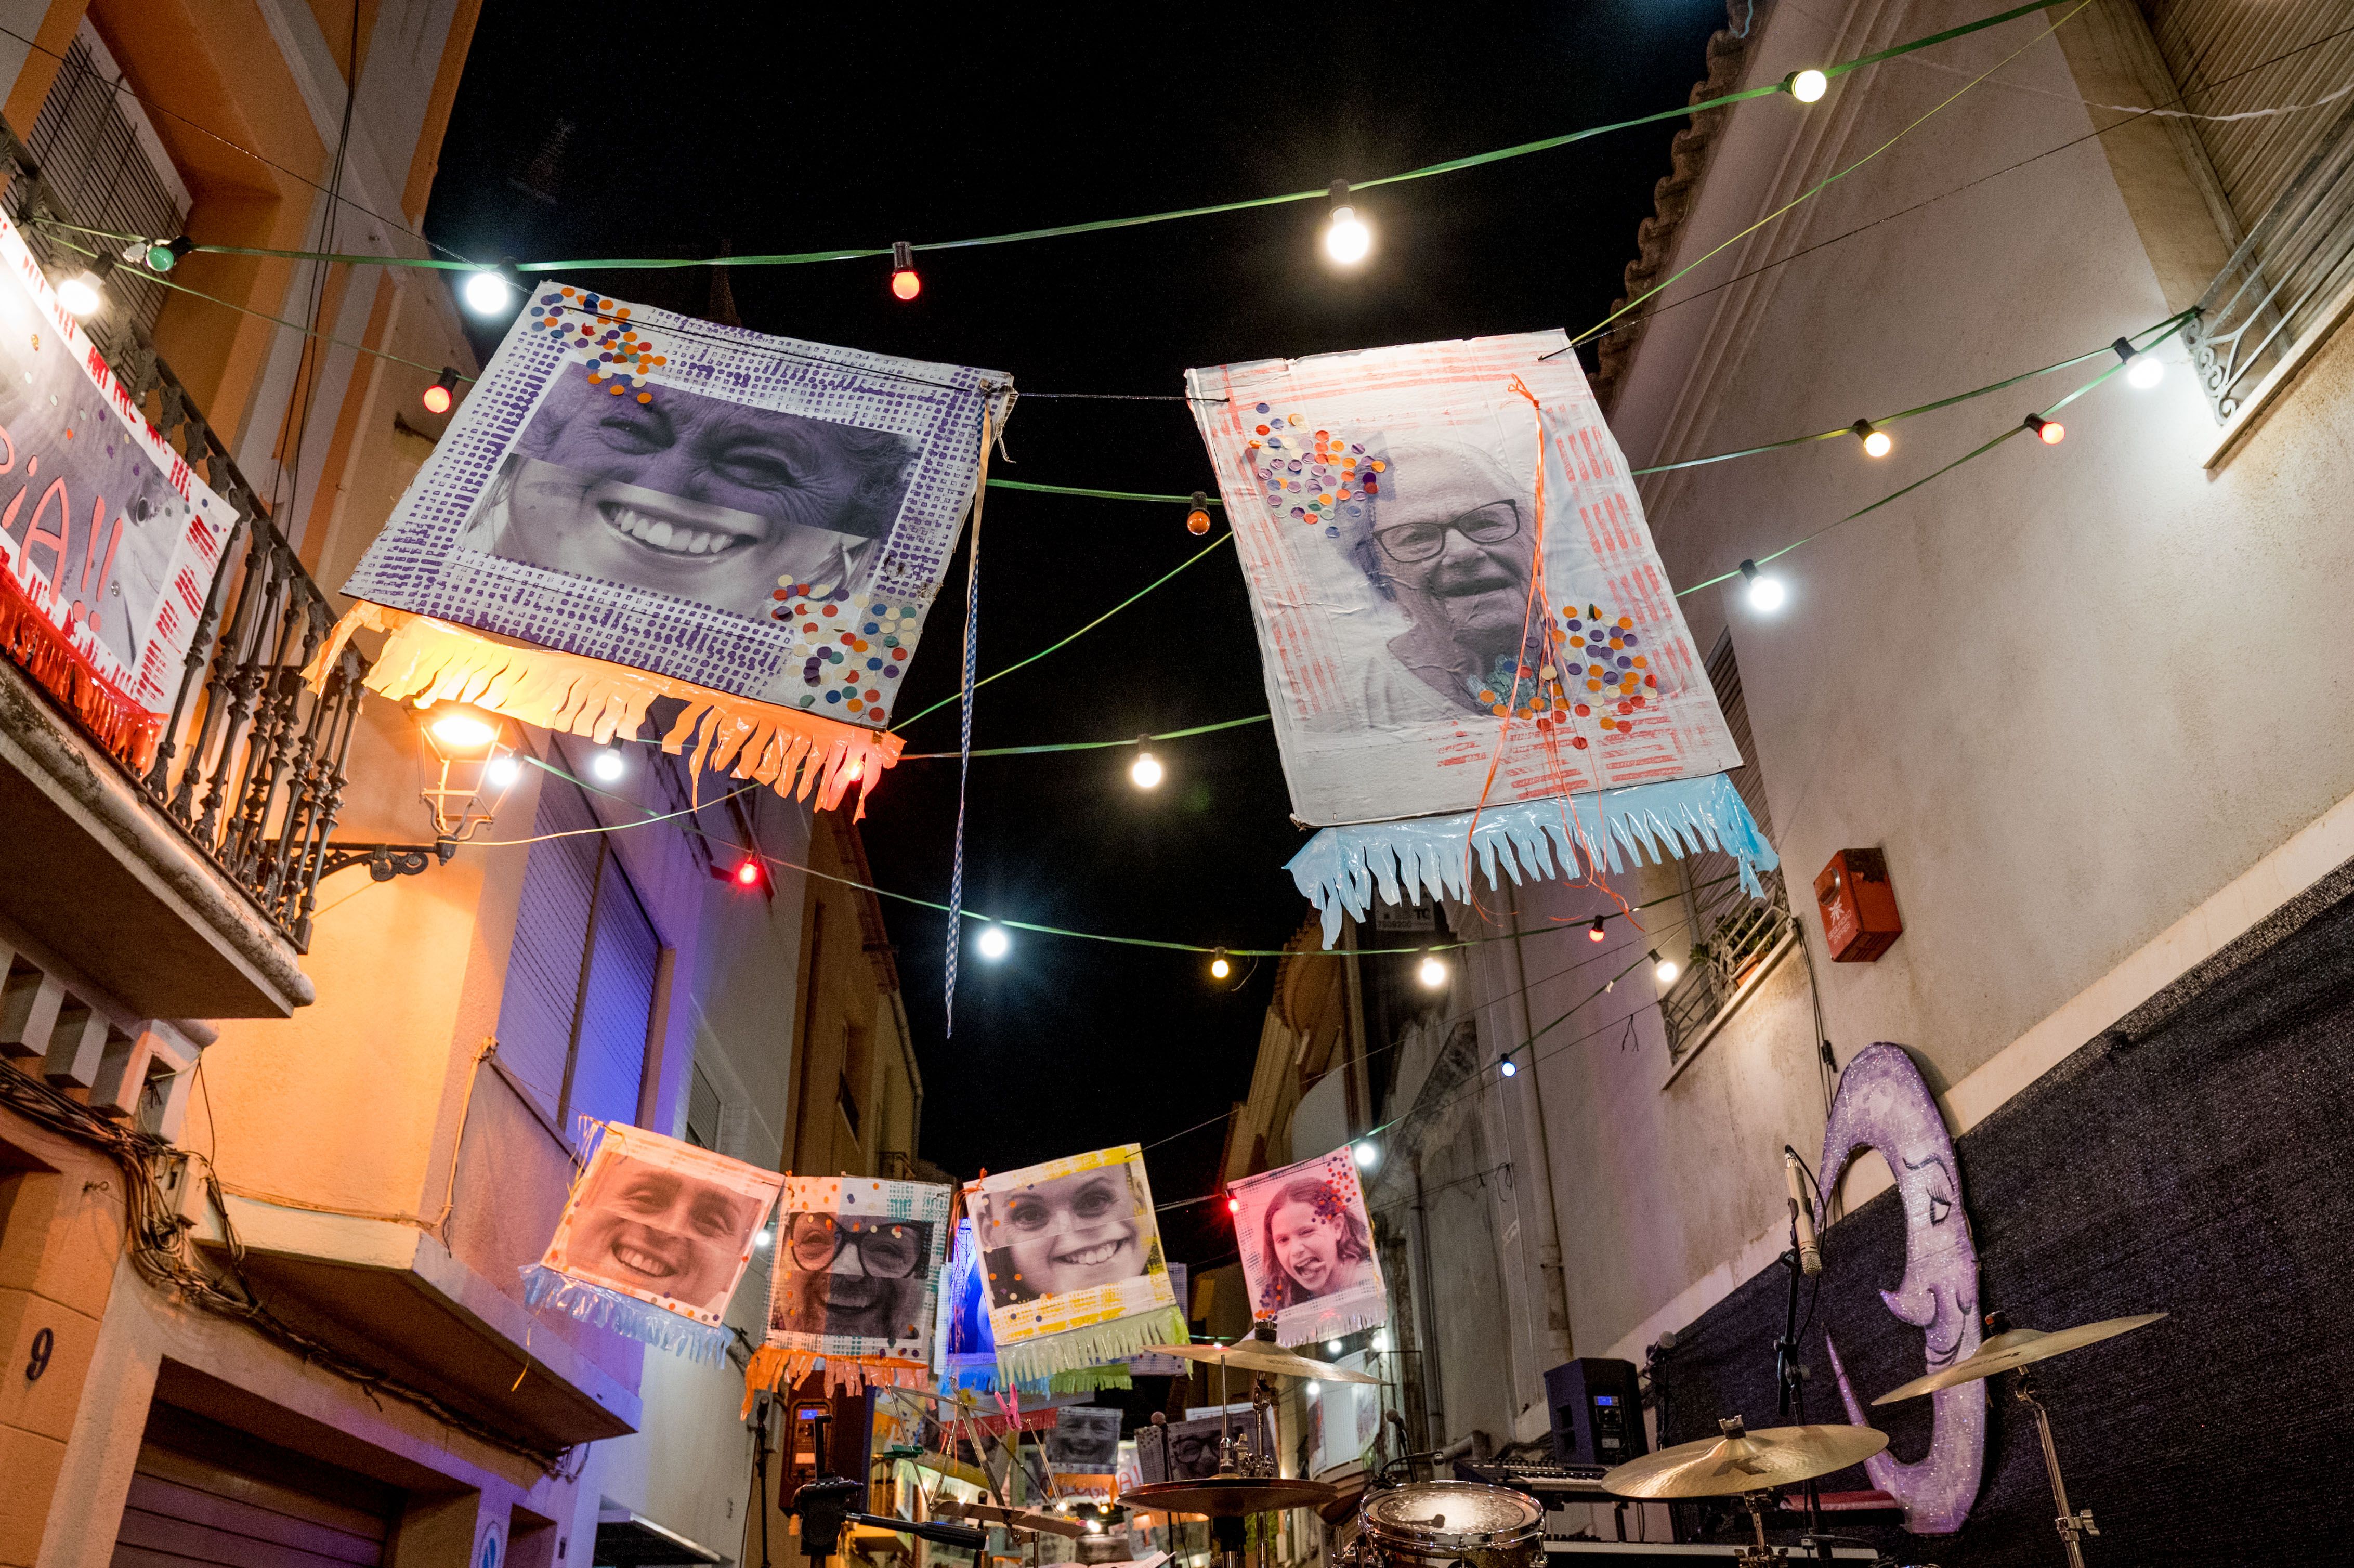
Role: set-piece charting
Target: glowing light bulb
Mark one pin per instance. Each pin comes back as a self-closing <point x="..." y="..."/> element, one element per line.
<point x="1809" y="85"/>
<point x="1598" y="931"/>
<point x="1197" y="521"/>
<point x="1432" y="972"/>
<point x="2145" y="372"/>
<point x="993" y="943"/>
<point x="1146" y="771"/>
<point x="462" y="729"/>
<point x="904" y="283"/>
<point x="1766" y="594"/>
<point x="1233" y="1205"/>
<point x="607" y="765"/>
<point x="1346" y="239"/>
<point x="1508" y="1067"/>
<point x="1876" y="443"/>
<point x="767" y="1235"/>
<point x="1665" y="968"/>
<point x="82" y="293"/>
<point x="1331" y="1347"/>
<point x="2051" y="432"/>
<point x="501" y="772"/>
<point x="1382" y="1341"/>
<point x="747" y="874"/>
<point x="1219" y="967"/>
<point x="443" y="392"/>
<point x="1367" y="1155"/>
<point x="487" y="292"/>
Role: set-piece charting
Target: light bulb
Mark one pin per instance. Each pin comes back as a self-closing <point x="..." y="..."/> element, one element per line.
<point x="443" y="393"/>
<point x="1433" y="972"/>
<point x="606" y="765"/>
<point x="501" y="772"/>
<point x="1598" y="931"/>
<point x="2051" y="432"/>
<point x="1367" y="1155"/>
<point x="993" y="943"/>
<point x="462" y="729"/>
<point x="1348" y="240"/>
<point x="2145" y="371"/>
<point x="1877" y="443"/>
<point x="1331" y="1347"/>
<point x="905" y="283"/>
<point x="1219" y="967"/>
<point x="1146" y="770"/>
<point x="766" y="1235"/>
<point x="1233" y="1205"/>
<point x="487" y="294"/>
<point x="1809" y="85"/>
<point x="749" y="874"/>
<point x="1766" y="594"/>
<point x="1382" y="1341"/>
<point x="1508" y="1067"/>
<point x="1665" y="968"/>
<point x="1197" y="519"/>
<point x="82" y="293"/>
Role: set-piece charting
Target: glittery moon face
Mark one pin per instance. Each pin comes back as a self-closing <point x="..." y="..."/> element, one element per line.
<point x="1883" y="1105"/>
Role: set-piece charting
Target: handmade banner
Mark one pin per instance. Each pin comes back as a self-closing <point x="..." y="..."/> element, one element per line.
<point x="653" y="1240"/>
<point x="634" y="505"/>
<point x="855" y="1284"/>
<point x="1308" y="1250"/>
<point x="967" y="1355"/>
<point x="1462" y="619"/>
<point x="1070" y="1254"/>
<point x="109" y="543"/>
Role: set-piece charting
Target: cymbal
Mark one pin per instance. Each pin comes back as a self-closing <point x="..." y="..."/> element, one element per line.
<point x="1745" y="1461"/>
<point x="1011" y="1518"/>
<point x="1258" y="1356"/>
<point x="1229" y="1496"/>
<point x="2016" y="1348"/>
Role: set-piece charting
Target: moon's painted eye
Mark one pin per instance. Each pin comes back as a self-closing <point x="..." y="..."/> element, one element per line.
<point x="1938" y="1209"/>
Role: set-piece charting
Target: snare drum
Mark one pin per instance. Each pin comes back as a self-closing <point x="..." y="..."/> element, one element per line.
<point x="1436" y="1524"/>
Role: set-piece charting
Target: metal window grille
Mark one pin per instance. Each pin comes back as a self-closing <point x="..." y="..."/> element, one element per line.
<point x="1733" y="934"/>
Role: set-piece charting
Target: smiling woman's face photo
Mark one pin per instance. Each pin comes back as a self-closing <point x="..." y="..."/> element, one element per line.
<point x="1072" y="1233"/>
<point x="693" y="497"/>
<point x="661" y="1232"/>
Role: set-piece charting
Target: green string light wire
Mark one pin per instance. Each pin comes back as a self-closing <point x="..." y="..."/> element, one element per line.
<point x="1088" y="744"/>
<point x="849" y="253"/>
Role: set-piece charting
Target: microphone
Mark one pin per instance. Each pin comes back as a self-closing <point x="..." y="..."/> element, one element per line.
<point x="1802" y="1216"/>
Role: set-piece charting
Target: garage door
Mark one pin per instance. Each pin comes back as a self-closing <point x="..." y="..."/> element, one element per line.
<point x="245" y="1504"/>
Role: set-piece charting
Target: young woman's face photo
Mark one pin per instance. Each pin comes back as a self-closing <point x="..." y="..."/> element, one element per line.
<point x="1070" y="1233"/>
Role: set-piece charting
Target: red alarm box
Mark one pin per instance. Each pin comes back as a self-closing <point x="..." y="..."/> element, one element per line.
<point x="1858" y="906"/>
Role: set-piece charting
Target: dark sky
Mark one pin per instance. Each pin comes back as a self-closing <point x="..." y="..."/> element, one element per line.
<point x="785" y="127"/>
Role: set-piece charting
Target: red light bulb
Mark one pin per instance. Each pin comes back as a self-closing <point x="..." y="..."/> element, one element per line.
<point x="749" y="874"/>
<point x="1233" y="1205"/>
<point x="1595" y="932"/>
<point x="905" y="285"/>
<point x="2051" y="432"/>
<point x="443" y="393"/>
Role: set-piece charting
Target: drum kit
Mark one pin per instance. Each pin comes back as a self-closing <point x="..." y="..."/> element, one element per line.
<point x="1439" y="1524"/>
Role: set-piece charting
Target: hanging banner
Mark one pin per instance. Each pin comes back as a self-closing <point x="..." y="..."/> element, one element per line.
<point x="1070" y="1254"/>
<point x="653" y="1241"/>
<point x="966" y="1353"/>
<point x="758" y="523"/>
<point x="1308" y="1250"/>
<point x="109" y="543"/>
<point x="1459" y="610"/>
<point x="856" y="1283"/>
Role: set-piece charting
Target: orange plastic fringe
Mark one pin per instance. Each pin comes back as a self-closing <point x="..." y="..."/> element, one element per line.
<point x="773" y="1367"/>
<point x="433" y="661"/>
<point x="33" y="640"/>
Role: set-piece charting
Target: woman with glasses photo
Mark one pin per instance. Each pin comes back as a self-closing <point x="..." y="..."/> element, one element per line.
<point x="850" y="1276"/>
<point x="1447" y="538"/>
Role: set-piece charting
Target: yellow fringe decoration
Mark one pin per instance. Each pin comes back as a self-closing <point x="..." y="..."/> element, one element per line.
<point x="430" y="661"/>
<point x="774" y="1368"/>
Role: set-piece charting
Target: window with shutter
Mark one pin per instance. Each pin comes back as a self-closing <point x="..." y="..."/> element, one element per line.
<point x="617" y="1002"/>
<point x="703" y="1111"/>
<point x="2229" y="56"/>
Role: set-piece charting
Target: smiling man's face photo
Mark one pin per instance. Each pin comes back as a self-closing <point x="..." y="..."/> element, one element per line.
<point x="662" y="1232"/>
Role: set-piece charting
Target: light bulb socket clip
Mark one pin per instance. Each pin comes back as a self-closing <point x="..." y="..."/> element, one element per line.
<point x="1749" y="570"/>
<point x="2125" y="350"/>
<point x="903" y="256"/>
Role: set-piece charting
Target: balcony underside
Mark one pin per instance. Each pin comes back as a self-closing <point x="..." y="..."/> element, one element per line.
<point x="115" y="889"/>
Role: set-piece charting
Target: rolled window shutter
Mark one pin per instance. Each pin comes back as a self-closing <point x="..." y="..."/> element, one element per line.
<point x="617" y="1004"/>
<point x="542" y="986"/>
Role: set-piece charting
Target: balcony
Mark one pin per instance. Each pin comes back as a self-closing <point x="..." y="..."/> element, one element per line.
<point x="181" y="883"/>
<point x="1738" y="939"/>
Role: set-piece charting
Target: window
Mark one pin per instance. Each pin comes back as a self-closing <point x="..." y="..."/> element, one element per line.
<point x="580" y="979"/>
<point x="1734" y="934"/>
<point x="99" y="155"/>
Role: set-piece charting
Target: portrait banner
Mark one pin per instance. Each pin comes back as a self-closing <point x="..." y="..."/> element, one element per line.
<point x="1308" y="1250"/>
<point x="967" y="1355"/>
<point x="854" y="1286"/>
<point x="653" y="1240"/>
<point x="1460" y="612"/>
<point x="109" y="543"/>
<point x="633" y="505"/>
<point x="1070" y="1254"/>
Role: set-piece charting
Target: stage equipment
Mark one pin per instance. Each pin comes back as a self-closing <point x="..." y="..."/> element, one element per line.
<point x="2011" y="1350"/>
<point x="825" y="1503"/>
<point x="1555" y="1485"/>
<point x="1438" y="1524"/>
<point x="1749" y="1465"/>
<point x="1258" y="1356"/>
<point x="1226" y="1501"/>
<point x="1597" y="1412"/>
<point x="1858" y="904"/>
<point x="1019" y="1519"/>
<point x="1802" y="1216"/>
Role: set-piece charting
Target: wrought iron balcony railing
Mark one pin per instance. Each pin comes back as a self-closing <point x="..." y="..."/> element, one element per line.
<point x="2284" y="282"/>
<point x="251" y="766"/>
<point x="1734" y="936"/>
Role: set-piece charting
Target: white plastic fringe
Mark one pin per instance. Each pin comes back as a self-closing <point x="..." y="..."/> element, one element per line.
<point x="625" y="1315"/>
<point x="1333" y="1324"/>
<point x="1074" y="1349"/>
<point x="795" y="753"/>
<point x="1341" y="868"/>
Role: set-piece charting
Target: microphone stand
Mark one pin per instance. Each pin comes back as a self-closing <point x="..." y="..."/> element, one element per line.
<point x="1788" y="1375"/>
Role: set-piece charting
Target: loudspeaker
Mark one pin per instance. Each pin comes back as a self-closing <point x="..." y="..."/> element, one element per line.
<point x="1597" y="1412"/>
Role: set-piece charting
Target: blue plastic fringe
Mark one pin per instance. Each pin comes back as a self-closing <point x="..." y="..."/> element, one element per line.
<point x="625" y="1315"/>
<point x="1076" y="1349"/>
<point x="1342" y="867"/>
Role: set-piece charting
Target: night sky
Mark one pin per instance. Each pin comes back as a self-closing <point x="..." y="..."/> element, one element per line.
<point x="783" y="129"/>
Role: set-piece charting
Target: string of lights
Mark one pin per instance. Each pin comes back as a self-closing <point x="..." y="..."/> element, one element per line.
<point x="1347" y="239"/>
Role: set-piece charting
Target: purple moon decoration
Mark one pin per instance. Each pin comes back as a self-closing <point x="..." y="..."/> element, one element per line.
<point x="1883" y="1103"/>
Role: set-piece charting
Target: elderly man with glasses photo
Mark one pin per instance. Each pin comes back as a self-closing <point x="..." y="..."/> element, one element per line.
<point x="1447" y="538"/>
<point x="850" y="1276"/>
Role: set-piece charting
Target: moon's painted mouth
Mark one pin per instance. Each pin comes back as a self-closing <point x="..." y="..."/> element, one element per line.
<point x="643" y="1263"/>
<point x="1089" y="1257"/>
<point x="669" y="536"/>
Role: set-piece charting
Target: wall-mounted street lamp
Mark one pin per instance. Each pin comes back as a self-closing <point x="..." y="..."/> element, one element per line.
<point x="472" y="762"/>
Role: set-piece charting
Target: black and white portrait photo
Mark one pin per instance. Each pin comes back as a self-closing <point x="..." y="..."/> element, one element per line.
<point x="695" y="497"/>
<point x="1308" y="1250"/>
<point x="844" y="1276"/>
<point x="662" y="1221"/>
<point x="1063" y="1234"/>
<point x="1084" y="1440"/>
